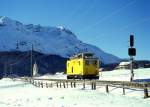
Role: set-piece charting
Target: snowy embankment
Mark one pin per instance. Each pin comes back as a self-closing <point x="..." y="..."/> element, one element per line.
<point x="140" y="75"/>
<point x="22" y="94"/>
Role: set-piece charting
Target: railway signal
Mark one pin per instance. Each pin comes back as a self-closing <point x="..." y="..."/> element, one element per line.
<point x="131" y="40"/>
<point x="131" y="53"/>
<point x="131" y="50"/>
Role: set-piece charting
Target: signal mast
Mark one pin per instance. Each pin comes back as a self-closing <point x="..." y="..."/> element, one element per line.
<point x="131" y="53"/>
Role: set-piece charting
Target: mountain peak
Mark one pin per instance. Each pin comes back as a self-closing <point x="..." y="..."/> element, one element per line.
<point x="61" y="27"/>
<point x="4" y="19"/>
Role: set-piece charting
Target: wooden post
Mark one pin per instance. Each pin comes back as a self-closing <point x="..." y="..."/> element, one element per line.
<point x="35" y="83"/>
<point x="30" y="80"/>
<point x="71" y="84"/>
<point x="67" y="84"/>
<point x="57" y="84"/>
<point x="145" y="91"/>
<point x="107" y="90"/>
<point x="64" y="84"/>
<point x="92" y="85"/>
<point x="74" y="84"/>
<point x="41" y="84"/>
<point x="84" y="85"/>
<point x="60" y="84"/>
<point x="51" y="84"/>
<point x="95" y="85"/>
<point x="46" y="85"/>
<point x="123" y="90"/>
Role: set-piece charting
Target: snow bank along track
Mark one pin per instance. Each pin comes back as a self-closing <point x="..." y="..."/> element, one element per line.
<point x="64" y="83"/>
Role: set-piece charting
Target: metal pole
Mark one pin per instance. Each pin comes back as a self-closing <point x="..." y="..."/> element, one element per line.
<point x="31" y="61"/>
<point x="10" y="70"/>
<point x="5" y="69"/>
<point x="131" y="68"/>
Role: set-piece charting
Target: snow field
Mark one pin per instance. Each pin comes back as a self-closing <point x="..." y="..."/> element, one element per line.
<point x="22" y="94"/>
<point x="30" y="96"/>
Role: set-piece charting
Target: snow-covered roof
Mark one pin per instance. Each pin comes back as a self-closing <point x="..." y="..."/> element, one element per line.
<point x="124" y="63"/>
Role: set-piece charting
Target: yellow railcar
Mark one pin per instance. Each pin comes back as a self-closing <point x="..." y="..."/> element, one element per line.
<point x="83" y="66"/>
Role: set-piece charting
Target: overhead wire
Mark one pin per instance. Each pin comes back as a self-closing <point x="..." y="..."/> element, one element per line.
<point x="84" y="12"/>
<point x="75" y="11"/>
<point x="19" y="60"/>
<point x="100" y="20"/>
<point x="134" y="23"/>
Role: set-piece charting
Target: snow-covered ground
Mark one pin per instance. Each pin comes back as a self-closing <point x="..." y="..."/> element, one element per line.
<point x="140" y="75"/>
<point x="21" y="94"/>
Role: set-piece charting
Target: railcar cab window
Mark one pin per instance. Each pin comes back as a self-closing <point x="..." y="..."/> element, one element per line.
<point x="80" y="56"/>
<point x="94" y="62"/>
<point x="91" y="62"/>
<point x="88" y="55"/>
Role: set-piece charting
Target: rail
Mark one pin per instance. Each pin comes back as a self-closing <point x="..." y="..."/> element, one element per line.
<point x="65" y="83"/>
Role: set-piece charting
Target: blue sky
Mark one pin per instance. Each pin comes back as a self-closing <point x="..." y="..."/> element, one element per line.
<point x="104" y="23"/>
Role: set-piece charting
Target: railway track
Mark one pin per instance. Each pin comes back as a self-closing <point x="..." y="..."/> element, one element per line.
<point x="94" y="83"/>
<point x="99" y="82"/>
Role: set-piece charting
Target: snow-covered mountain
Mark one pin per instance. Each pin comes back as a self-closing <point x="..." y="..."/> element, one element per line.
<point x="15" y="35"/>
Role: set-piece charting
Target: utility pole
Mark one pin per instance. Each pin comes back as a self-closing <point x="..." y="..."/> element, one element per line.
<point x="5" y="69"/>
<point x="131" y="52"/>
<point x="31" y="61"/>
<point x="11" y="70"/>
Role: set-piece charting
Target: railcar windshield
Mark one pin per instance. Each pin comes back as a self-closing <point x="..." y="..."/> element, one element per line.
<point x="88" y="55"/>
<point x="91" y="62"/>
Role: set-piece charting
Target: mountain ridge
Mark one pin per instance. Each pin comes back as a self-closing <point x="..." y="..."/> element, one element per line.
<point x="15" y="35"/>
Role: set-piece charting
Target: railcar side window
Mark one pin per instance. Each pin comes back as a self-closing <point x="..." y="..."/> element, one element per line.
<point x="87" y="62"/>
<point x="79" y="63"/>
<point x="94" y="62"/>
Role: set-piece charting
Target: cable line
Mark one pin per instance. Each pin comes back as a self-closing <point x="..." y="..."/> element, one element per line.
<point x="109" y="16"/>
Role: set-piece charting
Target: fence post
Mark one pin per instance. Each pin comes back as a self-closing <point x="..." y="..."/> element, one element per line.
<point x="107" y="90"/>
<point x="74" y="84"/>
<point x="67" y="84"/>
<point x="123" y="90"/>
<point x="92" y="85"/>
<point x="41" y="84"/>
<point x="64" y="84"/>
<point x="46" y="85"/>
<point x="95" y="85"/>
<point x="71" y="84"/>
<point x="51" y="84"/>
<point x="30" y="80"/>
<point x="84" y="84"/>
<point x="35" y="83"/>
<point x="145" y="91"/>
<point x="57" y="84"/>
<point x="60" y="84"/>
